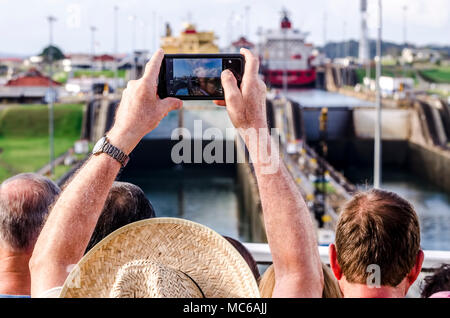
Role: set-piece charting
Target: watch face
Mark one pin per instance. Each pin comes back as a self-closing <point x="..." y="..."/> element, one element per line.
<point x="98" y="146"/>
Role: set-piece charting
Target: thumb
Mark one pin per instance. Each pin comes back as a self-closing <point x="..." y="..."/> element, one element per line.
<point x="232" y="93"/>
<point x="170" y="103"/>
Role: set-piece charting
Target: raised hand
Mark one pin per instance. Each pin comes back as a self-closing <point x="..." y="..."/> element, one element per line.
<point x="141" y="110"/>
<point x="246" y="106"/>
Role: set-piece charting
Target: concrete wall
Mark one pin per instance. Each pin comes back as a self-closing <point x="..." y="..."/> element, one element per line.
<point x="396" y="123"/>
<point x="432" y="164"/>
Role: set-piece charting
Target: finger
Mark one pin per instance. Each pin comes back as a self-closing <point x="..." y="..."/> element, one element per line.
<point x="153" y="67"/>
<point x="232" y="93"/>
<point x="220" y="102"/>
<point x="251" y="63"/>
<point x="170" y="103"/>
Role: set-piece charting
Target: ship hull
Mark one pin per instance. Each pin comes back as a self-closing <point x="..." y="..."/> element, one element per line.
<point x="296" y="78"/>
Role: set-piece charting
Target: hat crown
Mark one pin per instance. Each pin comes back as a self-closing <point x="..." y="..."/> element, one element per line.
<point x="149" y="279"/>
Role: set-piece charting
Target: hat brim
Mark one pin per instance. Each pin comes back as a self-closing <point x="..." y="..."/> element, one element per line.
<point x="209" y="259"/>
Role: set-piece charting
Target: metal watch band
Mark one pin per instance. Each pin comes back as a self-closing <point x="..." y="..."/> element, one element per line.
<point x="116" y="153"/>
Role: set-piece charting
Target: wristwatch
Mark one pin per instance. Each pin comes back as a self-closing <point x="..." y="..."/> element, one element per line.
<point x="104" y="146"/>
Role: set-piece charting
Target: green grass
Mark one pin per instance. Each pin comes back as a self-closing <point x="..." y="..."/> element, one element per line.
<point x="107" y="73"/>
<point x="32" y="121"/>
<point x="438" y="75"/>
<point x="441" y="93"/>
<point x="386" y="71"/>
<point x="61" y="77"/>
<point x="390" y="71"/>
<point x="24" y="141"/>
<point x="28" y="155"/>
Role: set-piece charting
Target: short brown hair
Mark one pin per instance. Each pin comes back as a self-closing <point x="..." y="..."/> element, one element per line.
<point x="377" y="227"/>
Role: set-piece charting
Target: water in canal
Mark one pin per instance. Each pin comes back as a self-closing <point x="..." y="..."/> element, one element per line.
<point x="207" y="196"/>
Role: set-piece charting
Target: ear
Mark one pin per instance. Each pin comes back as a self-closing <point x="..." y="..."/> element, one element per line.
<point x="415" y="271"/>
<point x="334" y="263"/>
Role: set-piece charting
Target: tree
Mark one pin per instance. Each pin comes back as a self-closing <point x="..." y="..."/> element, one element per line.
<point x="52" y="53"/>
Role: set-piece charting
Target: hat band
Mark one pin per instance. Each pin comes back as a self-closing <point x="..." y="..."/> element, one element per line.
<point x="195" y="283"/>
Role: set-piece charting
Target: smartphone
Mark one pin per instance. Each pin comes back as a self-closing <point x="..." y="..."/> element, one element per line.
<point x="197" y="76"/>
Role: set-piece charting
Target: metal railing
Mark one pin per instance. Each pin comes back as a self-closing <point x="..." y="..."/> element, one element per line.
<point x="262" y="255"/>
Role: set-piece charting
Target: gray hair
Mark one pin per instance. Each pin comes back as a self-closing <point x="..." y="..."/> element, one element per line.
<point x="25" y="201"/>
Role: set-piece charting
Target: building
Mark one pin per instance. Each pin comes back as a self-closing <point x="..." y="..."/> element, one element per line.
<point x="8" y="67"/>
<point x="80" y="61"/>
<point x="29" y="87"/>
<point x="189" y="41"/>
<point x="410" y="56"/>
<point x="241" y="43"/>
<point x="104" y="62"/>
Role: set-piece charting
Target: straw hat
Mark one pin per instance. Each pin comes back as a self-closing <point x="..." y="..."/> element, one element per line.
<point x="162" y="257"/>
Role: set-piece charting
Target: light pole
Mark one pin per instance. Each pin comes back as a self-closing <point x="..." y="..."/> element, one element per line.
<point x="143" y="25"/>
<point x="285" y="53"/>
<point x="405" y="26"/>
<point x="116" y="46"/>
<point x="133" y="20"/>
<point x="378" y="151"/>
<point x="51" y="94"/>
<point x="344" y="49"/>
<point x="154" y="36"/>
<point x="93" y="30"/>
<point x="247" y="22"/>
<point x="324" y="30"/>
<point x="285" y="71"/>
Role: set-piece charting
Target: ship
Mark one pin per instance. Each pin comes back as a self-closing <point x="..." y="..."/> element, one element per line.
<point x="283" y="51"/>
<point x="189" y="41"/>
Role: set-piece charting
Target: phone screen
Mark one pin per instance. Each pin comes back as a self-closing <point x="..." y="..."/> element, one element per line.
<point x="188" y="77"/>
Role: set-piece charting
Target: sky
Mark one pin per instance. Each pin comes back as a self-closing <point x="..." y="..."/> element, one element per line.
<point x="24" y="29"/>
<point x="198" y="67"/>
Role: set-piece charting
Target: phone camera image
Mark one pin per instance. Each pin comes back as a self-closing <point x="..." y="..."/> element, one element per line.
<point x="194" y="77"/>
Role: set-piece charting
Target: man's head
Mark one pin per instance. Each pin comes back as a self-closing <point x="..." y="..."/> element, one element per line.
<point x="25" y="201"/>
<point x="377" y="243"/>
<point x="126" y="203"/>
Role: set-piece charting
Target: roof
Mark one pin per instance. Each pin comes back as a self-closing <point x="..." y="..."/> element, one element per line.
<point x="11" y="59"/>
<point x="243" y="42"/>
<point x="104" y="58"/>
<point x="31" y="78"/>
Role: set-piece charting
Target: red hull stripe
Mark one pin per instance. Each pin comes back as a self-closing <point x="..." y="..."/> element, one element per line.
<point x="275" y="77"/>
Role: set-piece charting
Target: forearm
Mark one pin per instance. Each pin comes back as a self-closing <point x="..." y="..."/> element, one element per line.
<point x="289" y="227"/>
<point x="71" y="223"/>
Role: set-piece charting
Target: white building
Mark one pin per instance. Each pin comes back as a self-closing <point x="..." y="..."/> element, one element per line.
<point x="420" y="55"/>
